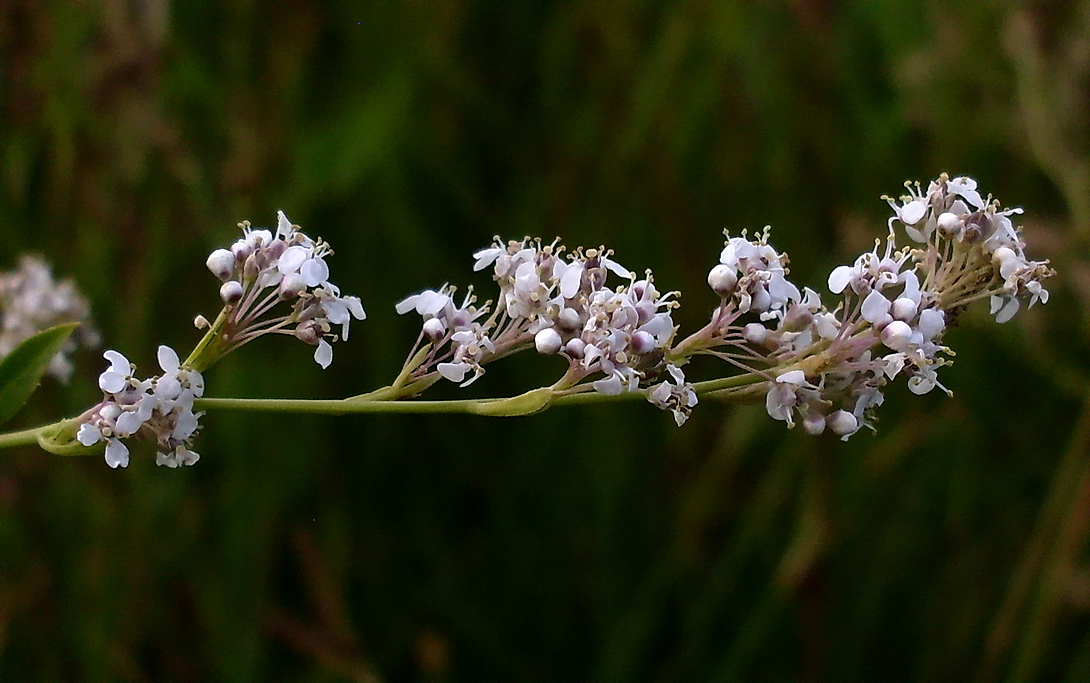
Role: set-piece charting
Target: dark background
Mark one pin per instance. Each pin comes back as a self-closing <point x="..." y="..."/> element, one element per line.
<point x="584" y="543"/>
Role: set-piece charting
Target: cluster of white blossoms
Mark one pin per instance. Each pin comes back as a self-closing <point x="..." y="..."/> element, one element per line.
<point x="32" y="301"/>
<point x="159" y="408"/>
<point x="827" y="368"/>
<point x="559" y="306"/>
<point x="264" y="269"/>
<point x="824" y="367"/>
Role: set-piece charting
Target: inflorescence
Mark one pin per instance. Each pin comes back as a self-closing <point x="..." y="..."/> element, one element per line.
<point x="31" y="301"/>
<point x="819" y="365"/>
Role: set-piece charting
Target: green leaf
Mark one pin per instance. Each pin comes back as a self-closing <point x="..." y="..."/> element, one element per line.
<point x="21" y="371"/>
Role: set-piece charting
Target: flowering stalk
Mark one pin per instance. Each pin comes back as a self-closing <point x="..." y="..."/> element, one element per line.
<point x="824" y="367"/>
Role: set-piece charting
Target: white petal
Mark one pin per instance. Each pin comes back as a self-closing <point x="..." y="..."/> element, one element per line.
<point x="616" y="268"/>
<point x="291" y="259"/>
<point x="283" y="225"/>
<point x="88" y="434"/>
<point x="455" y="372"/>
<point x="875" y="307"/>
<point x="315" y="272"/>
<point x="118" y="363"/>
<point x="486" y="257"/>
<point x="610" y="386"/>
<point x="569" y="281"/>
<point x="168" y="359"/>
<point x="407" y="304"/>
<point x="913" y="212"/>
<point x="129" y="422"/>
<point x="112" y="382"/>
<point x="797" y="377"/>
<point x="839" y="278"/>
<point x="355" y="307"/>
<point x="323" y="355"/>
<point x="117" y="454"/>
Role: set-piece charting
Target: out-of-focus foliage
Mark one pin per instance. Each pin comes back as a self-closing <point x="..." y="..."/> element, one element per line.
<point x="580" y="544"/>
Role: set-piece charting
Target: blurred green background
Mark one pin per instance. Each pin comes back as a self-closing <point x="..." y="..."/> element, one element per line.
<point x="584" y="543"/>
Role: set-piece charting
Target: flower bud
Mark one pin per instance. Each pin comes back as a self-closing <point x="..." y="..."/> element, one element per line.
<point x="949" y="224"/>
<point x="434" y="329"/>
<point x="897" y="335"/>
<point x="722" y="279"/>
<point x="1002" y="255"/>
<point x="575" y="347"/>
<point x="568" y="319"/>
<point x="903" y="309"/>
<point x="309" y="332"/>
<point x="201" y="323"/>
<point x="221" y="262"/>
<point x="231" y="292"/>
<point x="292" y="286"/>
<point x="755" y="333"/>
<point x="242" y="250"/>
<point x="842" y="423"/>
<point x="642" y="342"/>
<point x="548" y="341"/>
<point x="814" y="424"/>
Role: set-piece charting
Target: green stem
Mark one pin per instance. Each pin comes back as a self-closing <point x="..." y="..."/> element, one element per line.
<point x="26" y="437"/>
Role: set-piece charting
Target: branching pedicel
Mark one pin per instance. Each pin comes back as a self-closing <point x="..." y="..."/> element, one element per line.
<point x="819" y="366"/>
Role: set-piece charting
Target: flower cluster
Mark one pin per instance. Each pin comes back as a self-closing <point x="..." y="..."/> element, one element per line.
<point x="263" y="269"/>
<point x="31" y="301"/>
<point x="159" y="408"/>
<point x="827" y="368"/>
<point x="559" y="306"/>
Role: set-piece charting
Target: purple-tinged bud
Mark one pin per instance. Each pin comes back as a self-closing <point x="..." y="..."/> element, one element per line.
<point x="949" y="224"/>
<point x="222" y="263"/>
<point x="903" y="309"/>
<point x="722" y="279"/>
<point x="755" y="333"/>
<point x="434" y="329"/>
<point x="252" y="267"/>
<point x="897" y="335"/>
<point x="292" y="286"/>
<point x="642" y="342"/>
<point x="276" y="249"/>
<point x="814" y="424"/>
<point x="568" y="319"/>
<point x="548" y="341"/>
<point x="842" y="423"/>
<point x="309" y="332"/>
<point x="231" y="292"/>
<point x="575" y="347"/>
<point x="242" y="250"/>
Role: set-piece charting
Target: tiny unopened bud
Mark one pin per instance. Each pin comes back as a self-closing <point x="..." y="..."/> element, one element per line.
<point x="755" y="333"/>
<point x="434" y="329"/>
<point x="201" y="323"/>
<point x="903" y="309"/>
<point x="292" y="286"/>
<point x="222" y="263"/>
<point x="642" y="342"/>
<point x="575" y="347"/>
<point x="897" y="335"/>
<point x="276" y="249"/>
<point x="842" y="423"/>
<point x="231" y="292"/>
<point x="252" y="266"/>
<point x="548" y="341"/>
<point x="814" y="424"/>
<point x="309" y="332"/>
<point x="949" y="224"/>
<point x="242" y="250"/>
<point x="568" y="319"/>
<point x="722" y="279"/>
